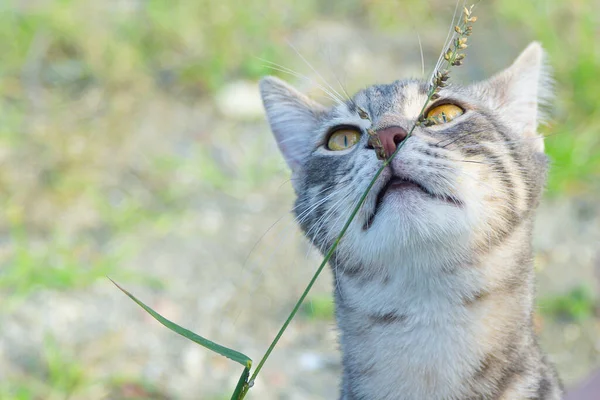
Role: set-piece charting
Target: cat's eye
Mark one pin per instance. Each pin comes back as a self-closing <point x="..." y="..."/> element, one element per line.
<point x="444" y="113"/>
<point x="343" y="139"/>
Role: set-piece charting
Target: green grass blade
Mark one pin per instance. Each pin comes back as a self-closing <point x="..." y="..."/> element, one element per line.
<point x="234" y="355"/>
<point x="242" y="386"/>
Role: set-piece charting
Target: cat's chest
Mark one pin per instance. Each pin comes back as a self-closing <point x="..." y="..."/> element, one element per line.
<point x="421" y="294"/>
<point x="402" y="336"/>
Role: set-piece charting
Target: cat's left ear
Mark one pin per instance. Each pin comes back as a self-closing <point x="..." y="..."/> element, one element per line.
<point x="292" y="117"/>
<point x="519" y="93"/>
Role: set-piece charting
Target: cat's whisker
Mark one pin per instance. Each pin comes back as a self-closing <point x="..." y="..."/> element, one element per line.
<point x="336" y="265"/>
<point x="340" y="190"/>
<point x="471" y="161"/>
<point x="316" y="227"/>
<point x="285" y="235"/>
<point x="282" y="68"/>
<point x="342" y="86"/>
<point x="448" y="40"/>
<point x="340" y="215"/>
<point x="422" y="57"/>
<point x="286" y="227"/>
<point x="454" y="140"/>
<point x="305" y="214"/>
<point x="277" y="67"/>
<point x="482" y="183"/>
<point x="313" y="69"/>
<point x="350" y="99"/>
<point x="516" y="141"/>
<point x="324" y="220"/>
<point x="260" y="240"/>
<point x="284" y="182"/>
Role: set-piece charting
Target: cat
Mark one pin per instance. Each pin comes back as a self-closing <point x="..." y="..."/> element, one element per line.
<point x="433" y="281"/>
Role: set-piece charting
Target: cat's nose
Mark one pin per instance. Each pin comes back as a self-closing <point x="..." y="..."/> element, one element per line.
<point x="390" y="138"/>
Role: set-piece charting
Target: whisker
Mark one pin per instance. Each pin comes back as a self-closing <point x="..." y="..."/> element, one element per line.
<point x="422" y="57"/>
<point x="517" y="141"/>
<point x="319" y="223"/>
<point x="284" y="236"/>
<point x="313" y="69"/>
<point x="472" y="161"/>
<point x="448" y="40"/>
<point x="283" y="69"/>
<point x="275" y="223"/>
<point x="348" y="97"/>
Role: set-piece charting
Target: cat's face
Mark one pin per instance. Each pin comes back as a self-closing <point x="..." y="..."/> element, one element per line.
<point x="463" y="183"/>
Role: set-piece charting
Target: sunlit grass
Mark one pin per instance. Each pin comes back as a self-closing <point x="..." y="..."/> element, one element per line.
<point x="569" y="33"/>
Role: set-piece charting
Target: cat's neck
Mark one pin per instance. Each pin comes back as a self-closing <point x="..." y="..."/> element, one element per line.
<point x="416" y="331"/>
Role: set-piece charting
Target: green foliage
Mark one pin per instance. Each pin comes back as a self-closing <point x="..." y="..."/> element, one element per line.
<point x="55" y="375"/>
<point x="242" y="386"/>
<point x="54" y="264"/>
<point x="568" y="31"/>
<point x="233" y="355"/>
<point x="185" y="45"/>
<point x="319" y="307"/>
<point x="578" y="304"/>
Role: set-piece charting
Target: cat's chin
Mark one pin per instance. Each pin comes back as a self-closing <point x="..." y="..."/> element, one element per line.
<point x="410" y="199"/>
<point x="412" y="217"/>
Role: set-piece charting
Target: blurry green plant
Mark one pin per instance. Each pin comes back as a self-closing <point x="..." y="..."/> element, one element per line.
<point x="319" y="307"/>
<point x="55" y="375"/>
<point x="53" y="264"/>
<point x="578" y="304"/>
<point x="569" y="32"/>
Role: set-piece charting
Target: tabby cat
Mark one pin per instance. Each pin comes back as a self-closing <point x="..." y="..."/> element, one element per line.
<point x="434" y="281"/>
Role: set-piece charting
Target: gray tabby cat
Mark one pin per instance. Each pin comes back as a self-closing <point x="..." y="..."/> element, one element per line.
<point x="434" y="282"/>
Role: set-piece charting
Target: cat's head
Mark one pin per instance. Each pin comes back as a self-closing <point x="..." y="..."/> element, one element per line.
<point x="464" y="182"/>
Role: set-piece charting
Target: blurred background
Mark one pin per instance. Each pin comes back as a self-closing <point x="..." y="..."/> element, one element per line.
<point x="133" y="145"/>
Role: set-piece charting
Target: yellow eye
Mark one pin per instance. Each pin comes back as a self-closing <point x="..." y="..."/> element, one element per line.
<point x="444" y="113"/>
<point x="343" y="139"/>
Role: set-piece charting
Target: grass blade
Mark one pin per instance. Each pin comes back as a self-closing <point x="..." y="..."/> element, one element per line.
<point x="234" y="355"/>
<point x="242" y="386"/>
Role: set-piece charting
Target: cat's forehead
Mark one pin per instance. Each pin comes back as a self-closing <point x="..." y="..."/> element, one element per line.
<point x="402" y="97"/>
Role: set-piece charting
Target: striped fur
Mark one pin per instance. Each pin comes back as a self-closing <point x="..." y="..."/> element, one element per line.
<point x="434" y="288"/>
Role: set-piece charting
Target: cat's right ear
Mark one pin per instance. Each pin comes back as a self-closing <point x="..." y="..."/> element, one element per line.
<point x="293" y="118"/>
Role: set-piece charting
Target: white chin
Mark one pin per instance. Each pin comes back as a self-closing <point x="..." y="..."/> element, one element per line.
<point x="411" y="219"/>
<point x="407" y="222"/>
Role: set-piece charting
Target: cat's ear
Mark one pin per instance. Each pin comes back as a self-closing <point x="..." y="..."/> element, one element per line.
<point x="520" y="92"/>
<point x="293" y="118"/>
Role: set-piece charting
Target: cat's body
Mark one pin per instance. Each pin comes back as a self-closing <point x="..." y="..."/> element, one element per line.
<point x="433" y="280"/>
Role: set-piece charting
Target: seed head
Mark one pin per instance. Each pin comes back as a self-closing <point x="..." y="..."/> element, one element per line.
<point x="362" y="114"/>
<point x="448" y="55"/>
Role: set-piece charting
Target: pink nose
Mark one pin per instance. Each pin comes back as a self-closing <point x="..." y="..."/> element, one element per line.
<point x="391" y="137"/>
